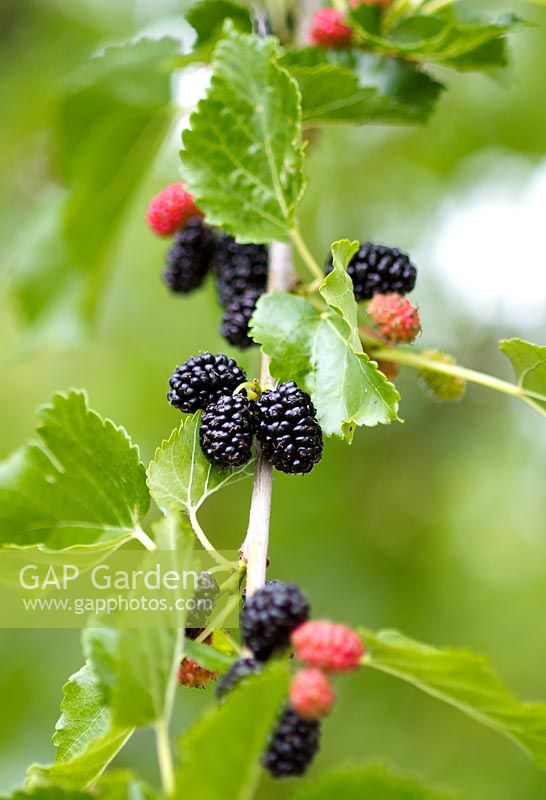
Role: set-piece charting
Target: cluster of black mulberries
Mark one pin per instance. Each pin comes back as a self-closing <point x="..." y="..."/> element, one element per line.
<point x="379" y="269"/>
<point x="240" y="271"/>
<point x="267" y="620"/>
<point x="283" y="419"/>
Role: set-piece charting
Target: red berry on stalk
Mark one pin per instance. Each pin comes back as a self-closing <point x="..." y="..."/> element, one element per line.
<point x="311" y="694"/>
<point x="327" y="645"/>
<point x="329" y="29"/>
<point x="395" y="317"/>
<point x="171" y="209"/>
<point x="192" y="674"/>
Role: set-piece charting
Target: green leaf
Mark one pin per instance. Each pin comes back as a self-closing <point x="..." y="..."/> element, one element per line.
<point x="208" y="656"/>
<point x="112" y="116"/>
<point x="207" y="17"/>
<point x="46" y="289"/>
<point x="238" y="729"/>
<point x="180" y="478"/>
<point x="136" y="668"/>
<point x="442" y="39"/>
<point x="375" y="90"/>
<point x="243" y="156"/>
<point x="529" y="363"/>
<point x="47" y="793"/>
<point x="464" y="680"/>
<point x="80" y="483"/>
<point x="85" y="738"/>
<point x="322" y="352"/>
<point x="366" y="783"/>
<point x="123" y="785"/>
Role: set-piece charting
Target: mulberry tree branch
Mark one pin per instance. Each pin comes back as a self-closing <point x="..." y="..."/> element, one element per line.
<point x="254" y="550"/>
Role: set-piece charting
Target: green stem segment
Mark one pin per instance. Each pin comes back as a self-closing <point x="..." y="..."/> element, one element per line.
<point x="305" y="254"/>
<point x="165" y="758"/>
<point x="418" y="361"/>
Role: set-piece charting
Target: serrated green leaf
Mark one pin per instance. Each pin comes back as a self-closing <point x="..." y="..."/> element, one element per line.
<point x="442" y="38"/>
<point x="136" y="668"/>
<point x="529" y="363"/>
<point x="366" y="783"/>
<point x="86" y="740"/>
<point x="374" y="90"/>
<point x="464" y="680"/>
<point x="207" y="17"/>
<point x="239" y="729"/>
<point x="243" y="157"/>
<point x="180" y="478"/>
<point x="80" y="483"/>
<point x="322" y="352"/>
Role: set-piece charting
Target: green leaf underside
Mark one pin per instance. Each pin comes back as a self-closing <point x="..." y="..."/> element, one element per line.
<point x="239" y="729"/>
<point x="529" y="363"/>
<point x="376" y="89"/>
<point x="136" y="668"/>
<point x="80" y="483"/>
<point x="207" y="18"/>
<point x="322" y="352"/>
<point x="180" y="478"/>
<point x="442" y="39"/>
<point x="119" y="785"/>
<point x="367" y="783"/>
<point x="464" y="680"/>
<point x="85" y="739"/>
<point x="243" y="156"/>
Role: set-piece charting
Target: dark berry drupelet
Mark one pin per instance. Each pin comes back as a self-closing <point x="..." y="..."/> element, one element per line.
<point x="269" y="617"/>
<point x="238" y="313"/>
<point x="203" y="379"/>
<point x="287" y="429"/>
<point x="227" y="430"/>
<point x="376" y="268"/>
<point x="242" y="668"/>
<point x="293" y="745"/>
<point x="238" y="267"/>
<point x="189" y="257"/>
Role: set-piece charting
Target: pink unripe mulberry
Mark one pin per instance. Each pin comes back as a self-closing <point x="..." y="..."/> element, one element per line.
<point x="327" y="645"/>
<point x="395" y="317"/>
<point x="311" y="694"/>
<point x="329" y="29"/>
<point x="171" y="209"/>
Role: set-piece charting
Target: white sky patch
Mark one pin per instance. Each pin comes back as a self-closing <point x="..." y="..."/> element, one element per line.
<point x="487" y="242"/>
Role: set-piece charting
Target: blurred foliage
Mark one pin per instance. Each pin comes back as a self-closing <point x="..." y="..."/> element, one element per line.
<point x="435" y="527"/>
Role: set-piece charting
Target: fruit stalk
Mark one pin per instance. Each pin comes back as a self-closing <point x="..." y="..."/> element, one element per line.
<point x="282" y="277"/>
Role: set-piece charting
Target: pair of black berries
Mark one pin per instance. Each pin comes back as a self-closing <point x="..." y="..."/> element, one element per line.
<point x="283" y="420"/>
<point x="240" y="271"/>
<point x="267" y="620"/>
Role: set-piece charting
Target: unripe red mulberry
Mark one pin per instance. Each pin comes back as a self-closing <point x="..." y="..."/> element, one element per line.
<point x="395" y="317"/>
<point x="311" y="694"/>
<point x="192" y="674"/>
<point x="171" y="209"/>
<point x="327" y="645"/>
<point x="329" y="29"/>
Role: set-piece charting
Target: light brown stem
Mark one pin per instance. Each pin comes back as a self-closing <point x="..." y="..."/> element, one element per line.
<point x="254" y="550"/>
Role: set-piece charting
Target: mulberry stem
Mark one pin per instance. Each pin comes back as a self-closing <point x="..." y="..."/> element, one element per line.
<point x="281" y="276"/>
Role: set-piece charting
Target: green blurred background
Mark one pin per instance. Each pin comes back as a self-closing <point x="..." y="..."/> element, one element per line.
<point x="436" y="526"/>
